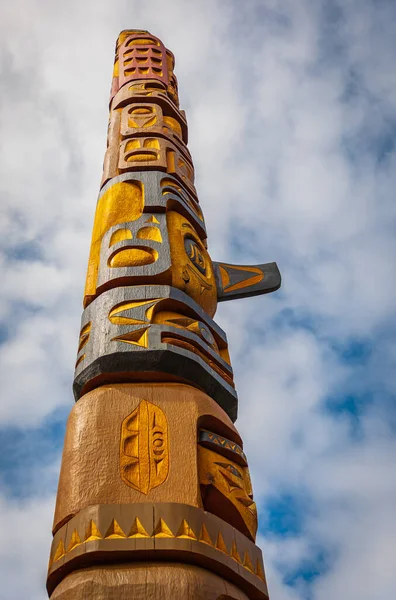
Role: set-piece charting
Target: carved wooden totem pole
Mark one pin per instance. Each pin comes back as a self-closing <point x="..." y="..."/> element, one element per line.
<point x="154" y="497"/>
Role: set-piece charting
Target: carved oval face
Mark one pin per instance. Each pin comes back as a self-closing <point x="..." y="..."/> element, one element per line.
<point x="192" y="269"/>
<point x="144" y="452"/>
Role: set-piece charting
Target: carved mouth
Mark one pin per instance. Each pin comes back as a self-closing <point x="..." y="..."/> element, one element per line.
<point x="139" y="156"/>
<point x="133" y="257"/>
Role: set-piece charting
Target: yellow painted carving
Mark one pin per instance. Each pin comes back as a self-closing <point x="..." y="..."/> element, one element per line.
<point x="187" y="274"/>
<point x="92" y="532"/>
<point x="170" y="61"/>
<point x="205" y="537"/>
<point x="151" y="143"/>
<point x="133" y="144"/>
<point x="75" y="540"/>
<point x="133" y="257"/>
<point x="256" y="276"/>
<point x="185" y="531"/>
<point x="235" y="553"/>
<point x="247" y="562"/>
<point x="60" y="551"/>
<point x="84" y="336"/>
<point x="152" y="219"/>
<point x="144" y="447"/>
<point x="120" y="235"/>
<point x="125" y="33"/>
<point x="225" y="278"/>
<point x="185" y="170"/>
<point x="142" y="117"/>
<point x="134" y="151"/>
<point x="173" y="125"/>
<point x="181" y="322"/>
<point x="142" y="110"/>
<point x="169" y="183"/>
<point x="122" y="202"/>
<point x="170" y="161"/>
<point x="114" y="531"/>
<point x="147" y="88"/>
<point x="143" y="42"/>
<point x="220" y="544"/>
<point x="79" y="360"/>
<point x="116" y="316"/>
<point x="148" y="143"/>
<point x="150" y="233"/>
<point x="227" y="490"/>
<point x="162" y="530"/>
<point x="137" y="530"/>
<point x="116" y="69"/>
<point x="136" y="338"/>
<point x="259" y="571"/>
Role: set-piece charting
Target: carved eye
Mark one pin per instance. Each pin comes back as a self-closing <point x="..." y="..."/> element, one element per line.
<point x="150" y="233"/>
<point x="158" y="442"/>
<point x="203" y="332"/>
<point x="195" y="254"/>
<point x="230" y="468"/>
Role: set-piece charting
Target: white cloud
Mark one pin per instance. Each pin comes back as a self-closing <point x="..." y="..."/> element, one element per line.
<point x="24" y="554"/>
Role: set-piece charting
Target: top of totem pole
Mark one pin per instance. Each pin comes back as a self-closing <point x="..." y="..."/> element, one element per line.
<point x="152" y="288"/>
<point x="144" y="78"/>
<point x="140" y="56"/>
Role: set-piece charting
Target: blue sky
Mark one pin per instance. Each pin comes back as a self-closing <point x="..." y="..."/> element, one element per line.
<point x="292" y="118"/>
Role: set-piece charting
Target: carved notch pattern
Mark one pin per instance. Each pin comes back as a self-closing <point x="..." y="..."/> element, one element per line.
<point x="160" y="530"/>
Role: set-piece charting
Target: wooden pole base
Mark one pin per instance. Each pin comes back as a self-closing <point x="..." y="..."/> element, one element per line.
<point x="131" y="520"/>
<point x="158" y="533"/>
<point x="146" y="581"/>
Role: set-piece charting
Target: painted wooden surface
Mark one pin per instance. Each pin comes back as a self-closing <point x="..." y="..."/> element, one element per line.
<point x="146" y="581"/>
<point x="95" y="452"/>
<point x="156" y="531"/>
<point x="154" y="498"/>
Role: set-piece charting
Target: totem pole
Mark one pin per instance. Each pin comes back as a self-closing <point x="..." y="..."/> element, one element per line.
<point x="154" y="497"/>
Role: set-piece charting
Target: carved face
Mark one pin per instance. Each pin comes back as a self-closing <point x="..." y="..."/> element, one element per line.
<point x="225" y="482"/>
<point x="145" y="323"/>
<point x="152" y="328"/>
<point x="163" y="247"/>
<point x="192" y="269"/>
<point x="122" y="202"/>
<point x="150" y="118"/>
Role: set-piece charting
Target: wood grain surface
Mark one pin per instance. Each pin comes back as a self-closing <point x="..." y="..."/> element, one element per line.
<point x="91" y="469"/>
<point x="146" y="581"/>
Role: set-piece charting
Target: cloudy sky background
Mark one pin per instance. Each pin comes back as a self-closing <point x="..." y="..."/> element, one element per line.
<point x="292" y="118"/>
